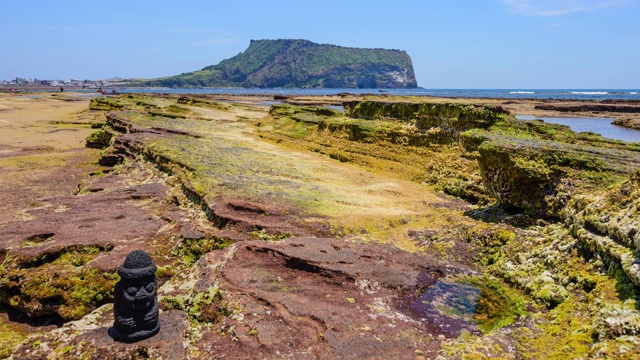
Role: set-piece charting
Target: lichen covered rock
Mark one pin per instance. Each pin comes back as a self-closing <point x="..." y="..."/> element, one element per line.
<point x="614" y="213"/>
<point x="617" y="321"/>
<point x="609" y="223"/>
<point x="104" y="104"/>
<point x="450" y="118"/>
<point x="517" y="179"/>
<point x="100" y="139"/>
<point x="541" y="175"/>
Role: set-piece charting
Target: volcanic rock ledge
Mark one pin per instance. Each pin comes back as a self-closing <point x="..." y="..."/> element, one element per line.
<point x="311" y="298"/>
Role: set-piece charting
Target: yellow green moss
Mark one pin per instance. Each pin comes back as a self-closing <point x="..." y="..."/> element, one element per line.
<point x="104" y="104"/>
<point x="61" y="280"/>
<point x="498" y="306"/>
<point x="206" y="306"/>
<point x="190" y="250"/>
<point x="386" y="146"/>
<point x="11" y="335"/>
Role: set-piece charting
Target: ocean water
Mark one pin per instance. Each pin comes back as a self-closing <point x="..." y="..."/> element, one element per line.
<point x="602" y="126"/>
<point x="573" y="94"/>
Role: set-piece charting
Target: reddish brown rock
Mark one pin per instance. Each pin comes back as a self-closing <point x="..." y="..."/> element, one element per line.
<point x="106" y="219"/>
<point x="63" y="253"/>
<point x="313" y="298"/>
<point x="167" y="344"/>
<point x="88" y="339"/>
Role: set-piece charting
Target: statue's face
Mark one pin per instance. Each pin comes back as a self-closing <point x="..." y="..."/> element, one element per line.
<point x="140" y="294"/>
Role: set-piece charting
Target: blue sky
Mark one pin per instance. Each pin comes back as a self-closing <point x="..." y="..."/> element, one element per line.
<point x="453" y="43"/>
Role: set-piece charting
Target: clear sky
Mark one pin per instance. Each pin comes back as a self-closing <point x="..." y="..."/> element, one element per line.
<point x="453" y="43"/>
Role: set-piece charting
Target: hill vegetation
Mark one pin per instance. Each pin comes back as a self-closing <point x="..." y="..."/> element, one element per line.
<point x="301" y="64"/>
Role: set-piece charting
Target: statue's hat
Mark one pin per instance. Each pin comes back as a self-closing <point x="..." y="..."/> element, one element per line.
<point x="137" y="265"/>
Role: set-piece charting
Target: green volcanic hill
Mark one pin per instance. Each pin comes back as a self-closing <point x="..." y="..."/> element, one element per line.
<point x="301" y="64"/>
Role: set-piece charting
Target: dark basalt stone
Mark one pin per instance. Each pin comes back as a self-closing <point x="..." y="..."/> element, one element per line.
<point x="135" y="307"/>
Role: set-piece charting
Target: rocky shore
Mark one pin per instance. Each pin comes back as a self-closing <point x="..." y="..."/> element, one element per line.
<point x="403" y="227"/>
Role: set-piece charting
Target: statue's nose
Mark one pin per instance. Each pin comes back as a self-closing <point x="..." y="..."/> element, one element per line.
<point x="140" y="294"/>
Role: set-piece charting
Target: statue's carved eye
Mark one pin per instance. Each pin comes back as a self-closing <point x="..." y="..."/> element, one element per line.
<point x="132" y="290"/>
<point x="150" y="287"/>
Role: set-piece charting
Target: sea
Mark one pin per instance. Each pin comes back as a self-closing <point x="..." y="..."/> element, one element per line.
<point x="567" y="94"/>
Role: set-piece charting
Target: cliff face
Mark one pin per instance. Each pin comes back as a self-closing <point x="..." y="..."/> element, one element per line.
<point x="302" y="64"/>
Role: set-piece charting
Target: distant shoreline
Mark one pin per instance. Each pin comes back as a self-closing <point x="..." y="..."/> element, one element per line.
<point x="522" y="94"/>
<point x="621" y="105"/>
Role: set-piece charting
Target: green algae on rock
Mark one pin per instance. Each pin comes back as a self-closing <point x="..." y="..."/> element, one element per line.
<point x="383" y="145"/>
<point x="104" y="104"/>
<point x="538" y="167"/>
<point x="100" y="139"/>
<point x="608" y="223"/>
<point x="547" y="170"/>
<point x="36" y="287"/>
<point x="427" y="115"/>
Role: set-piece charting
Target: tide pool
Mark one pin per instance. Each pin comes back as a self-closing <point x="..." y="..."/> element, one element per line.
<point x="600" y="126"/>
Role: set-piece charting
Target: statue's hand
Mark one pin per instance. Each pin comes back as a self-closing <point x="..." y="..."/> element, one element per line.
<point x="128" y="322"/>
<point x="152" y="316"/>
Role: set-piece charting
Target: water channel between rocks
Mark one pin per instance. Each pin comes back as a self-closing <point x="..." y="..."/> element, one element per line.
<point x="600" y="126"/>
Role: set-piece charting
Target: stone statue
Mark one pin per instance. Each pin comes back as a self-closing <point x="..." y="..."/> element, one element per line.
<point x="135" y="306"/>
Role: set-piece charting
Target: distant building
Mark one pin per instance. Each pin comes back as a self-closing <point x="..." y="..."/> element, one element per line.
<point x="18" y="81"/>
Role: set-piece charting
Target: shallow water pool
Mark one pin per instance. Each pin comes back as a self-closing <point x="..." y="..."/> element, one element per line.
<point x="600" y="126"/>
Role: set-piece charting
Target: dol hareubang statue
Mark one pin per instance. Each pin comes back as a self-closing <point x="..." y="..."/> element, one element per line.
<point x="135" y="305"/>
